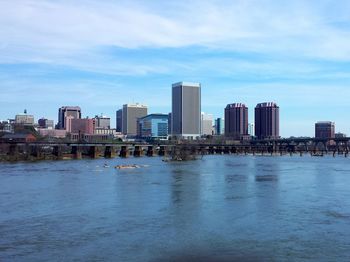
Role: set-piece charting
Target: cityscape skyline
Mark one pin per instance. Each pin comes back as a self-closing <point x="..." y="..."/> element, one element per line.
<point x="293" y="53"/>
<point x="114" y="125"/>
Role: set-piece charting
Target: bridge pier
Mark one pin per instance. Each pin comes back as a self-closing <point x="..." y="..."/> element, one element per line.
<point x="94" y="152"/>
<point x="150" y="151"/>
<point x="57" y="151"/>
<point x="137" y="151"/>
<point x="110" y="152"/>
<point x="76" y="152"/>
<point x="124" y="151"/>
<point x="162" y="151"/>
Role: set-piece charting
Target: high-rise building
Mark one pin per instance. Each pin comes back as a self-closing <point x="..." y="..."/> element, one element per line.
<point x="325" y="129"/>
<point x="131" y="113"/>
<point x="267" y="121"/>
<point x="102" y="122"/>
<point x="169" y="124"/>
<point x="219" y="126"/>
<point x="67" y="111"/>
<point x="251" y="130"/>
<point x="186" y="110"/>
<point x="153" y="126"/>
<point x="119" y="120"/>
<point x="236" y="120"/>
<point x="206" y="124"/>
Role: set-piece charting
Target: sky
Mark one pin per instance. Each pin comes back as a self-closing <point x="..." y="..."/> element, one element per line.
<point x="100" y="55"/>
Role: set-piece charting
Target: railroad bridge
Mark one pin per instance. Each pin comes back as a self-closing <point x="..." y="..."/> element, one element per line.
<point x="43" y="150"/>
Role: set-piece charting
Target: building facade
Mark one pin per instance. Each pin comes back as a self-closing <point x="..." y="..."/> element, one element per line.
<point x="119" y="120"/>
<point x="169" y="124"/>
<point x="67" y="111"/>
<point x="186" y="110"/>
<point x="45" y="123"/>
<point x="267" y="121"/>
<point x="219" y="126"/>
<point x="24" y="119"/>
<point x="325" y="129"/>
<point x="251" y="129"/>
<point x="153" y="126"/>
<point x="207" y="124"/>
<point x="236" y="120"/>
<point x="102" y="122"/>
<point x="131" y="113"/>
<point x="82" y="126"/>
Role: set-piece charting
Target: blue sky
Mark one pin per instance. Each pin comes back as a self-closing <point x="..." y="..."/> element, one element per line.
<point x="102" y="54"/>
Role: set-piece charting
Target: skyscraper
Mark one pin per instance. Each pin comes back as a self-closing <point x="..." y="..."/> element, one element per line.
<point x="236" y="120"/>
<point x="325" y="129"/>
<point x="251" y="130"/>
<point x="119" y="120"/>
<point x="67" y="111"/>
<point x="219" y="126"/>
<point x="267" y="120"/>
<point x="206" y="124"/>
<point x="186" y="110"/>
<point x="131" y="113"/>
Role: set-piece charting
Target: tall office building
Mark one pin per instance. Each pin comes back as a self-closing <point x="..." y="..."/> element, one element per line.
<point x="206" y="124"/>
<point x="325" y="129"/>
<point x="236" y="120"/>
<point x="186" y="110"/>
<point x="219" y="126"/>
<point x="251" y="130"/>
<point x="119" y="120"/>
<point x="267" y="120"/>
<point x="67" y="111"/>
<point x="102" y="122"/>
<point x="169" y="124"/>
<point x="131" y="113"/>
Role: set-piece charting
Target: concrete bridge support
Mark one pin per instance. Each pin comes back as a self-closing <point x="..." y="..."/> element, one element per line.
<point x="35" y="151"/>
<point x="76" y="152"/>
<point x="150" y="151"/>
<point x="124" y="151"/>
<point x="57" y="152"/>
<point x="138" y="151"/>
<point x="110" y="152"/>
<point x="94" y="151"/>
<point x="162" y="151"/>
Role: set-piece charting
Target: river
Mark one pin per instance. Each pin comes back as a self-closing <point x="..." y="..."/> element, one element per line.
<point x="219" y="208"/>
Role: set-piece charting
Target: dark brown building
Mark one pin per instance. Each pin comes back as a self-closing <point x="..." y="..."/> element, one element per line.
<point x="236" y="120"/>
<point x="325" y="129"/>
<point x="267" y="121"/>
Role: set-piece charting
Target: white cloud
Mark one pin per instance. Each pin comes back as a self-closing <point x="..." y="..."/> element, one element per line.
<point x="55" y="31"/>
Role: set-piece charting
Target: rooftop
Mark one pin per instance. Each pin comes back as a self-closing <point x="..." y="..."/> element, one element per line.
<point x="186" y="84"/>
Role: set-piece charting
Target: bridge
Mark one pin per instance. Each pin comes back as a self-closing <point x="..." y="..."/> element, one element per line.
<point x="72" y="150"/>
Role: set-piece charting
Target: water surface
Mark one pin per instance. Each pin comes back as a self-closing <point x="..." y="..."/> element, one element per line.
<point x="220" y="208"/>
